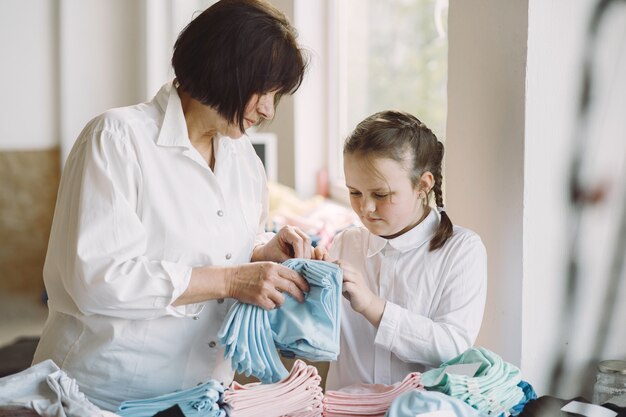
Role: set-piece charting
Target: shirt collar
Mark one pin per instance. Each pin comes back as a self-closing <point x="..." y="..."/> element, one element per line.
<point x="174" y="127"/>
<point x="414" y="238"/>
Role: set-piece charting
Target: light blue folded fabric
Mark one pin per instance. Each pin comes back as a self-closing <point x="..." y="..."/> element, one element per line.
<point x="416" y="402"/>
<point x="311" y="329"/>
<point x="307" y="330"/>
<point x="493" y="389"/>
<point x="199" y="401"/>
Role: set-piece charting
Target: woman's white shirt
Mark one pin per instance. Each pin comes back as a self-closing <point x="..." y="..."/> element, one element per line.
<point x="137" y="209"/>
<point x="434" y="309"/>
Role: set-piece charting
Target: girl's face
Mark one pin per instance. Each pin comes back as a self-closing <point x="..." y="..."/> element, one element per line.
<point x="382" y="194"/>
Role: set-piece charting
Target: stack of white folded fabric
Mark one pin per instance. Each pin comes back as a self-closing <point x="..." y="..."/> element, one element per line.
<point x="367" y="399"/>
<point x="297" y="395"/>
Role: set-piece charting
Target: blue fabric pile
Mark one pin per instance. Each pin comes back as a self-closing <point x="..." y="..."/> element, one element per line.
<point x="307" y="330"/>
<point x="200" y="401"/>
<point x="494" y="388"/>
<point x="416" y="402"/>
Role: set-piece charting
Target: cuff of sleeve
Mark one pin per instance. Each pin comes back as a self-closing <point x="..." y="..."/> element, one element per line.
<point x="387" y="329"/>
<point x="179" y="275"/>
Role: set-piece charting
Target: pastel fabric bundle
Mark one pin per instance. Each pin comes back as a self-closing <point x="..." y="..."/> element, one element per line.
<point x="367" y="399"/>
<point x="308" y="330"/>
<point x="311" y="329"/>
<point x="48" y="390"/>
<point x="493" y="389"/>
<point x="298" y="395"/>
<point x="416" y="402"/>
<point x="199" y="401"/>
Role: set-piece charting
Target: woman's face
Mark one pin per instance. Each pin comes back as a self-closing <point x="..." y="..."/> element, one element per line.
<point x="259" y="107"/>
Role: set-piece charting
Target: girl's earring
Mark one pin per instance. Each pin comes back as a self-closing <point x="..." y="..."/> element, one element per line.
<point x="424" y="199"/>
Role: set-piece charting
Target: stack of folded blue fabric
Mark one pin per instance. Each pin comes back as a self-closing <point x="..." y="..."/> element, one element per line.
<point x="307" y="330"/>
<point x="493" y="389"/>
<point x="200" y="401"/>
<point x="418" y="402"/>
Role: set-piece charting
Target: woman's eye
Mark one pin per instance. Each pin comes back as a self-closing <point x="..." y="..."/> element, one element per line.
<point x="355" y="193"/>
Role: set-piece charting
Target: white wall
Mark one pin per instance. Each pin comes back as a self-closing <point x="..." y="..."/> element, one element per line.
<point x="28" y="115"/>
<point x="484" y="163"/>
<point x="311" y="102"/>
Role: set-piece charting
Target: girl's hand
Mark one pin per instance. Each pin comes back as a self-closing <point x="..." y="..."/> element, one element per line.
<point x="355" y="288"/>
<point x="362" y="299"/>
<point x="289" y="242"/>
<point x="262" y="284"/>
<point x="320" y="254"/>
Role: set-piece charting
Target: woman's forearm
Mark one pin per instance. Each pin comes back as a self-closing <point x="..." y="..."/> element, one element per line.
<point x="206" y="283"/>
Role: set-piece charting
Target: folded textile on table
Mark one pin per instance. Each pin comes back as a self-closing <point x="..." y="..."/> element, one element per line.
<point x="493" y="389"/>
<point x="529" y="395"/>
<point x="416" y="402"/>
<point x="307" y="330"/>
<point x="48" y="390"/>
<point x="297" y="395"/>
<point x="199" y="401"/>
<point x="367" y="399"/>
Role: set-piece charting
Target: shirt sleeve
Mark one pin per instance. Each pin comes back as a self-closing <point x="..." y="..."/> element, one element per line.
<point x="454" y="326"/>
<point x="102" y="260"/>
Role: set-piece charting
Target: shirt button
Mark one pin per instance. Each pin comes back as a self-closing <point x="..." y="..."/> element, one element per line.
<point x="228" y="256"/>
<point x="220" y="300"/>
<point x="220" y="213"/>
<point x="212" y="344"/>
<point x="196" y="318"/>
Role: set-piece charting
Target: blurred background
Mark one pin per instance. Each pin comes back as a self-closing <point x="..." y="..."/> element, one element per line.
<point x="527" y="95"/>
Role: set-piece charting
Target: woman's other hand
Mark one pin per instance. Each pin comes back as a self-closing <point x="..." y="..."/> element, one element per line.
<point x="289" y="242"/>
<point x="262" y="284"/>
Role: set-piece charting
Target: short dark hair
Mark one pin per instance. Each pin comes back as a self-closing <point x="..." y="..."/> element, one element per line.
<point x="235" y="49"/>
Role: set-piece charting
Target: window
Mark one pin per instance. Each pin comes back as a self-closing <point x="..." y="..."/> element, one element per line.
<point x="385" y="55"/>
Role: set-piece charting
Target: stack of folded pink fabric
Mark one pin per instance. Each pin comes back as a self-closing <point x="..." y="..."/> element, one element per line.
<point x="297" y="395"/>
<point x="367" y="399"/>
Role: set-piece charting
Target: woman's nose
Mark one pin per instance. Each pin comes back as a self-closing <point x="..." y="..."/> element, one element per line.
<point x="266" y="106"/>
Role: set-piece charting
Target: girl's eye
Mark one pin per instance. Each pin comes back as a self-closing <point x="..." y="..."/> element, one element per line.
<point x="381" y="196"/>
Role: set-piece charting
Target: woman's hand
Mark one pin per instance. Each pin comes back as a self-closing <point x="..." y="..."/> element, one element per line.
<point x="289" y="242"/>
<point x="262" y="284"/>
<point x="362" y="299"/>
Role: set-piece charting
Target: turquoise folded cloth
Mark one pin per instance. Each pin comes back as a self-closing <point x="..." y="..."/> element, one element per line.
<point x="493" y="389"/>
<point x="199" y="401"/>
<point x="307" y="330"/>
<point x="416" y="402"/>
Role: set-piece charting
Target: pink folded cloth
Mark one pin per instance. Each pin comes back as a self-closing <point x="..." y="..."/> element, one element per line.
<point x="297" y="395"/>
<point x="367" y="399"/>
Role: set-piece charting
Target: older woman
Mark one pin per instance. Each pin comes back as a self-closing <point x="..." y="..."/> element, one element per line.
<point x="159" y="223"/>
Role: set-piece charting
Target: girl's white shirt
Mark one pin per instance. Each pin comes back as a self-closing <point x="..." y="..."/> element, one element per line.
<point x="137" y="209"/>
<point x="434" y="309"/>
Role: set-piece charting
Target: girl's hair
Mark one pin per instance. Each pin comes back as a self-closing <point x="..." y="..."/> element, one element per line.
<point x="235" y="49"/>
<point x="394" y="135"/>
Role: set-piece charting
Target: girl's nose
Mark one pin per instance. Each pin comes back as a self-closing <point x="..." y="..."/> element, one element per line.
<point x="368" y="205"/>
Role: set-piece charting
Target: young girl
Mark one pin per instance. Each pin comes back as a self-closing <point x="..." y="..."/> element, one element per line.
<point x="414" y="284"/>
